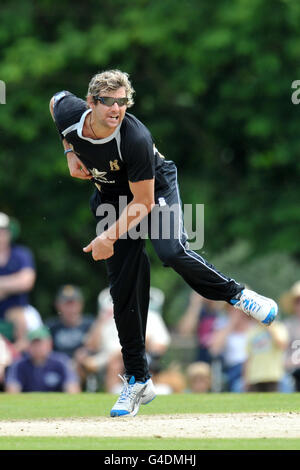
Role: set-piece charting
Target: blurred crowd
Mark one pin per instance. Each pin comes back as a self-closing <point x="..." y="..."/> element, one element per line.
<point x="75" y="351"/>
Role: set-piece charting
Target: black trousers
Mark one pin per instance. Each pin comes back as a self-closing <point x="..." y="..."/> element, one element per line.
<point x="129" y="273"/>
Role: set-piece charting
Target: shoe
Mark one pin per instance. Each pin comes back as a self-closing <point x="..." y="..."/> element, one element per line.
<point x="149" y="393"/>
<point x="131" y="396"/>
<point x="257" y="306"/>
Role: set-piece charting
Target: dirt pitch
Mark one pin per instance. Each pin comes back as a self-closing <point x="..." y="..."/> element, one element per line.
<point x="232" y="425"/>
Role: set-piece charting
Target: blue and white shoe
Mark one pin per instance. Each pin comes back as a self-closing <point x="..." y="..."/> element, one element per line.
<point x="257" y="306"/>
<point x="132" y="396"/>
<point x="149" y="393"/>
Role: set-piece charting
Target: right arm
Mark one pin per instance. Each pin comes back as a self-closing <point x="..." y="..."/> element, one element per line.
<point x="13" y="381"/>
<point x="219" y="336"/>
<point x="76" y="167"/>
<point x="188" y="323"/>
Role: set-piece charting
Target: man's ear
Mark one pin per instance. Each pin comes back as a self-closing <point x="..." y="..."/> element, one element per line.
<point x="90" y="101"/>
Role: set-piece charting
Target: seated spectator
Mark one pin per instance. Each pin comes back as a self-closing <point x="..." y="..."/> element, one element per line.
<point x="6" y="358"/>
<point x="199" y="319"/>
<point x="266" y="345"/>
<point x="290" y="304"/>
<point x="41" y="369"/>
<point x="229" y="341"/>
<point x="158" y="337"/>
<point x="70" y="329"/>
<point x="33" y="318"/>
<point x="103" y="340"/>
<point x="170" y="380"/>
<point x="199" y="377"/>
<point x="17" y="277"/>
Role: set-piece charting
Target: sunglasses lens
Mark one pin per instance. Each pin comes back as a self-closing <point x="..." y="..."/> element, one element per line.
<point x="122" y="101"/>
<point x="108" y="101"/>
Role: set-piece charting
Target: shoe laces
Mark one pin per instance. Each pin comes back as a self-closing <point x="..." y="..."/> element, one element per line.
<point x="251" y="305"/>
<point x="128" y="391"/>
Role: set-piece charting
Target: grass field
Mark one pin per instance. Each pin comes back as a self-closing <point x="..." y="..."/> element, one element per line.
<point x="33" y="407"/>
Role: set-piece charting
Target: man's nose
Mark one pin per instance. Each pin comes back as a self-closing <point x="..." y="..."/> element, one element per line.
<point x="115" y="106"/>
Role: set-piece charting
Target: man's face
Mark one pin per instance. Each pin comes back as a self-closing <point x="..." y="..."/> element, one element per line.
<point x="70" y="311"/>
<point x="39" y="350"/>
<point x="200" y="384"/>
<point x="109" y="117"/>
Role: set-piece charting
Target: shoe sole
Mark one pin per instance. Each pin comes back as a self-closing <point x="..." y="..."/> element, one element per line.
<point x="115" y="414"/>
<point x="147" y="402"/>
<point x="121" y="414"/>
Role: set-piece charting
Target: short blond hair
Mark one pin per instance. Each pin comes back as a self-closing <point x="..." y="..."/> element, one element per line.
<point x="111" y="80"/>
<point x="198" y="369"/>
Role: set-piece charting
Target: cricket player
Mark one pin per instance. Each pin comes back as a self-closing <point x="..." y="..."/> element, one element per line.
<point x="111" y="148"/>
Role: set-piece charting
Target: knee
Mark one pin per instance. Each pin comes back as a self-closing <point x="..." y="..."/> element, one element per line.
<point x="170" y="255"/>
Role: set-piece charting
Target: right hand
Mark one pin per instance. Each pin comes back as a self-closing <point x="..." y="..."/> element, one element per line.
<point x="77" y="168"/>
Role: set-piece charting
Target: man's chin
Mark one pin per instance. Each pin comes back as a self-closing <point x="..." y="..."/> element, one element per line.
<point x="112" y="124"/>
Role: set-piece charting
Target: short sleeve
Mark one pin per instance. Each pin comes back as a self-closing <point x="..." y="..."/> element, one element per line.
<point x="69" y="375"/>
<point x="156" y="330"/>
<point x="67" y="110"/>
<point x="13" y="375"/>
<point x="140" y="159"/>
<point x="25" y="258"/>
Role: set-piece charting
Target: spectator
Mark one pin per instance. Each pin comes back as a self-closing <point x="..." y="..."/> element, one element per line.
<point x="170" y="380"/>
<point x="199" y="319"/>
<point x="17" y="277"/>
<point x="33" y="318"/>
<point x="6" y="358"/>
<point x="229" y="341"/>
<point x="290" y="304"/>
<point x="41" y="370"/>
<point x="103" y="340"/>
<point x="264" y="368"/>
<point x="70" y="329"/>
<point x="199" y="377"/>
<point x="157" y="335"/>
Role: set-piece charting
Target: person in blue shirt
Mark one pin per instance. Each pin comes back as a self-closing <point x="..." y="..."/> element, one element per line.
<point x="17" y="278"/>
<point x="70" y="327"/>
<point x="41" y="369"/>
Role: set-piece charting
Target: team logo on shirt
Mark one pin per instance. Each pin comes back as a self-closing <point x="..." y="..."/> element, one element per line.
<point x="114" y="165"/>
<point x="100" y="176"/>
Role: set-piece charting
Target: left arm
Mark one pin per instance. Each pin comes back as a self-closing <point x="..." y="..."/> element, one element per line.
<point x="279" y="336"/>
<point x="19" y="282"/>
<point x="140" y="206"/>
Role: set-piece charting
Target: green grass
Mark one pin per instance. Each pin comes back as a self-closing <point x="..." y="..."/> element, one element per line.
<point x="114" y="443"/>
<point x="39" y="405"/>
<point x="57" y="405"/>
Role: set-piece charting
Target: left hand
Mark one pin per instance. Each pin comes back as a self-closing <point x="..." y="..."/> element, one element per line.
<point x="101" y="248"/>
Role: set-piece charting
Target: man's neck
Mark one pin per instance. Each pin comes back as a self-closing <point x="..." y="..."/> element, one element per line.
<point x="39" y="362"/>
<point x="72" y="323"/>
<point x="94" y="130"/>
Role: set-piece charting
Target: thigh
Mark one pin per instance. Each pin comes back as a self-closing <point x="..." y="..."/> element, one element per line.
<point x="166" y="228"/>
<point x="123" y="266"/>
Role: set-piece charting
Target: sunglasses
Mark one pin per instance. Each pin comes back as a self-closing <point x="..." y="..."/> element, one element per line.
<point x="108" y="101"/>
